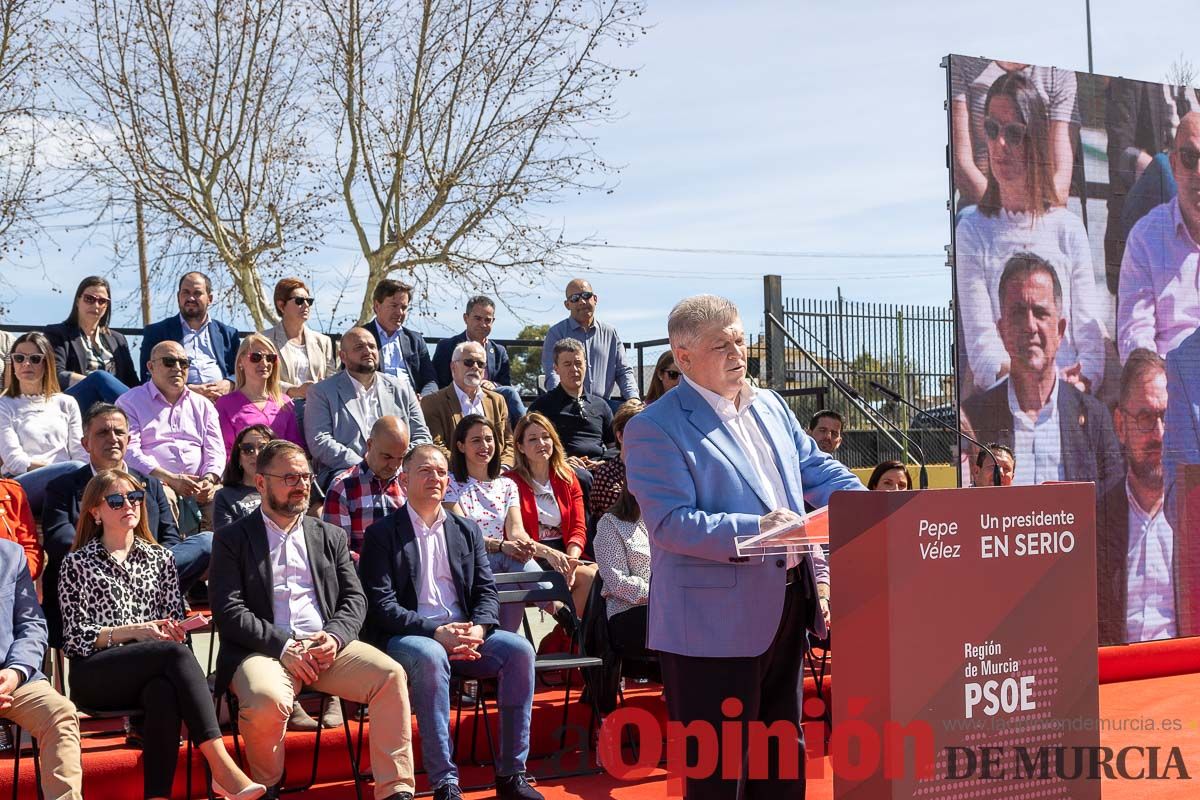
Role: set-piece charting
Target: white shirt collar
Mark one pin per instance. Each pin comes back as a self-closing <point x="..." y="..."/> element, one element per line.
<point x="725" y="409"/>
<point x="279" y="532"/>
<point x="419" y="526"/>
<point x="464" y="400"/>
<point x="1046" y="412"/>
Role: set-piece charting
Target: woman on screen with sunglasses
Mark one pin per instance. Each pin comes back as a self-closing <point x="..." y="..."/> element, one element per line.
<point x="123" y="631"/>
<point x="41" y="432"/>
<point x="1021" y="212"/>
<point x="666" y="377"/>
<point x="257" y="398"/>
<point x="94" y="363"/>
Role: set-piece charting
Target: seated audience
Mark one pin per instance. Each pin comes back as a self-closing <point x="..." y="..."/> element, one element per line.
<point x="826" y="428"/>
<point x="983" y="472"/>
<point x="666" y="377"/>
<point x="623" y="558"/>
<point x="480" y="493"/>
<point x="306" y="356"/>
<point x="210" y="346"/>
<point x="608" y="479"/>
<point x="890" y="476"/>
<point x="175" y="435"/>
<point x="341" y="409"/>
<point x="257" y="398"/>
<point x="606" y="365"/>
<point x="238" y="496"/>
<point x="582" y="420"/>
<point x="1157" y="302"/>
<point x="131" y="653"/>
<point x="552" y="511"/>
<point x="94" y="363"/>
<point x="372" y="488"/>
<point x="449" y="630"/>
<point x="301" y="630"/>
<point x="480" y="316"/>
<point x="17" y="525"/>
<point x="106" y="439"/>
<point x="466" y="395"/>
<point x="26" y="696"/>
<point x="403" y="353"/>
<point x="39" y="425"/>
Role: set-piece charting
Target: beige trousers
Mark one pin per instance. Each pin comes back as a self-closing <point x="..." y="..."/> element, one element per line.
<point x="265" y="691"/>
<point x="51" y="719"/>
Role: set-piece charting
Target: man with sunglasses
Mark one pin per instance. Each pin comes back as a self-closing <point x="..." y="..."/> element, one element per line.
<point x="106" y="439"/>
<point x="210" y="345"/>
<point x="605" y="354"/>
<point x="175" y="435"/>
<point x="479" y="318"/>
<point x="467" y="394"/>
<point x="1156" y="309"/>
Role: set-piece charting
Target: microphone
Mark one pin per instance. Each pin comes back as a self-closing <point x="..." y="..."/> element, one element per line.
<point x="923" y="475"/>
<point x="891" y="394"/>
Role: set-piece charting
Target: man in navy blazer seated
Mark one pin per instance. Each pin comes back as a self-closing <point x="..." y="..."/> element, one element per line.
<point x="26" y="697"/>
<point x="403" y="352"/>
<point x="432" y="604"/>
<point x="211" y="345"/>
<point x="480" y="317"/>
<point x="709" y="461"/>
<point x="105" y="438"/>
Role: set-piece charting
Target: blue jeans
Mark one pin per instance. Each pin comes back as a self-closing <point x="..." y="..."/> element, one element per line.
<point x="512" y="399"/>
<point x="97" y="387"/>
<point x="35" y="481"/>
<point x="511" y="613"/>
<point x="191" y="558"/>
<point x="1155" y="187"/>
<point x="505" y="656"/>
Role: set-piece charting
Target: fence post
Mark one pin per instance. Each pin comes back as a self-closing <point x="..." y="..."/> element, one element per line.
<point x="774" y="373"/>
<point x="903" y="368"/>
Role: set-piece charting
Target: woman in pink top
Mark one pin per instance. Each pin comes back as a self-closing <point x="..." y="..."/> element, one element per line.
<point x="258" y="398"/>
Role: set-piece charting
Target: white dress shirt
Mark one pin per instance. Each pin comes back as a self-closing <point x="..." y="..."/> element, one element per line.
<point x="367" y="398"/>
<point x="468" y="405"/>
<point x="294" y="592"/>
<point x="1037" y="443"/>
<point x="1150" y="598"/>
<point x="437" y="596"/>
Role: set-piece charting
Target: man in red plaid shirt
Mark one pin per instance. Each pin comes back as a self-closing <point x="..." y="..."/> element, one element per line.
<point x="371" y="489"/>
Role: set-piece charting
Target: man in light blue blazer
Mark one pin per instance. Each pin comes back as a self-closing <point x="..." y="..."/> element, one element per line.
<point x="711" y="460"/>
<point x="341" y="409"/>
<point x="26" y="697"/>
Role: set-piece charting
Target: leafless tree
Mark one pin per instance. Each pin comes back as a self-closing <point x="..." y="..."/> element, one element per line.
<point x="197" y="106"/>
<point x="1182" y="72"/>
<point x="456" y="119"/>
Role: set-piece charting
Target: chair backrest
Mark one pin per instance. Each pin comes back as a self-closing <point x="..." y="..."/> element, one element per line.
<point x="557" y="591"/>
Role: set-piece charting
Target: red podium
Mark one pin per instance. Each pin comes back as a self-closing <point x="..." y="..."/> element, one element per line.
<point x="965" y="628"/>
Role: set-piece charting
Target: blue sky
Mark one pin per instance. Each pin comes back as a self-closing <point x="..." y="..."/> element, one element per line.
<point x="800" y="127"/>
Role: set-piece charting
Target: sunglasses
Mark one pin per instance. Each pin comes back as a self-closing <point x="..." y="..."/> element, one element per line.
<point x="291" y="478"/>
<point x="171" y="362"/>
<point x="257" y="358"/>
<point x="575" y="298"/>
<point x="1014" y="132"/>
<point x="303" y="301"/>
<point x="250" y="449"/>
<point x="117" y="501"/>
<point x="474" y="362"/>
<point x="95" y="300"/>
<point x="1189" y="158"/>
<point x="21" y="358"/>
<point x="673" y="374"/>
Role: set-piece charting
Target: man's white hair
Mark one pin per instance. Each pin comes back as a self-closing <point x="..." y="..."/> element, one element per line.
<point x="693" y="315"/>
<point x="462" y="348"/>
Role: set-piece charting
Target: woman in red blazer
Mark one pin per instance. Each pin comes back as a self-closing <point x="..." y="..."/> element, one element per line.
<point x="551" y="499"/>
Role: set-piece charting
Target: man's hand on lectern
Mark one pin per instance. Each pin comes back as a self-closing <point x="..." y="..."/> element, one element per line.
<point x="778" y="519"/>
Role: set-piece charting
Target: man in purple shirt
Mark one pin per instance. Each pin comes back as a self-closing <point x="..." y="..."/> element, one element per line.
<point x="175" y="436"/>
<point x="1157" y="302"/>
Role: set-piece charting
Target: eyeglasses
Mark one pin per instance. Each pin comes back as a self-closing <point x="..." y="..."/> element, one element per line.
<point x="171" y="362"/>
<point x="117" y="501"/>
<point x="20" y="358"/>
<point x="473" y="362"/>
<point x="95" y="300"/>
<point x="1146" y="421"/>
<point x="575" y="298"/>
<point x="303" y="301"/>
<point x="1014" y="132"/>
<point x="673" y="374"/>
<point x="291" y="478"/>
<point x="250" y="449"/>
<point x="257" y="358"/>
<point x="1189" y="158"/>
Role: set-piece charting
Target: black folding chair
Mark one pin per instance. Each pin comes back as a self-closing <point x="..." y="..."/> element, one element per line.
<point x="14" y="736"/>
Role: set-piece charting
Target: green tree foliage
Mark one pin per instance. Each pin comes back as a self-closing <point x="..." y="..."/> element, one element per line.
<point x="526" y="362"/>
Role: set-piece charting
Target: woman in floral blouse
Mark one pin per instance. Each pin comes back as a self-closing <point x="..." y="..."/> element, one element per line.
<point x="122" y="614"/>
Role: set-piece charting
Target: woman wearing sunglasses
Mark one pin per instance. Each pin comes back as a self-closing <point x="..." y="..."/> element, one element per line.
<point x="307" y="356"/>
<point x="257" y="398"/>
<point x="94" y="362"/>
<point x="666" y="377"/>
<point x="1021" y="211"/>
<point x="122" y="614"/>
<point x="40" y="428"/>
<point x="238" y="497"/>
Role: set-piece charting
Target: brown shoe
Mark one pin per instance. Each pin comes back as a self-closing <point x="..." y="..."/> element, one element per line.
<point x="331" y="713"/>
<point x="300" y="720"/>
